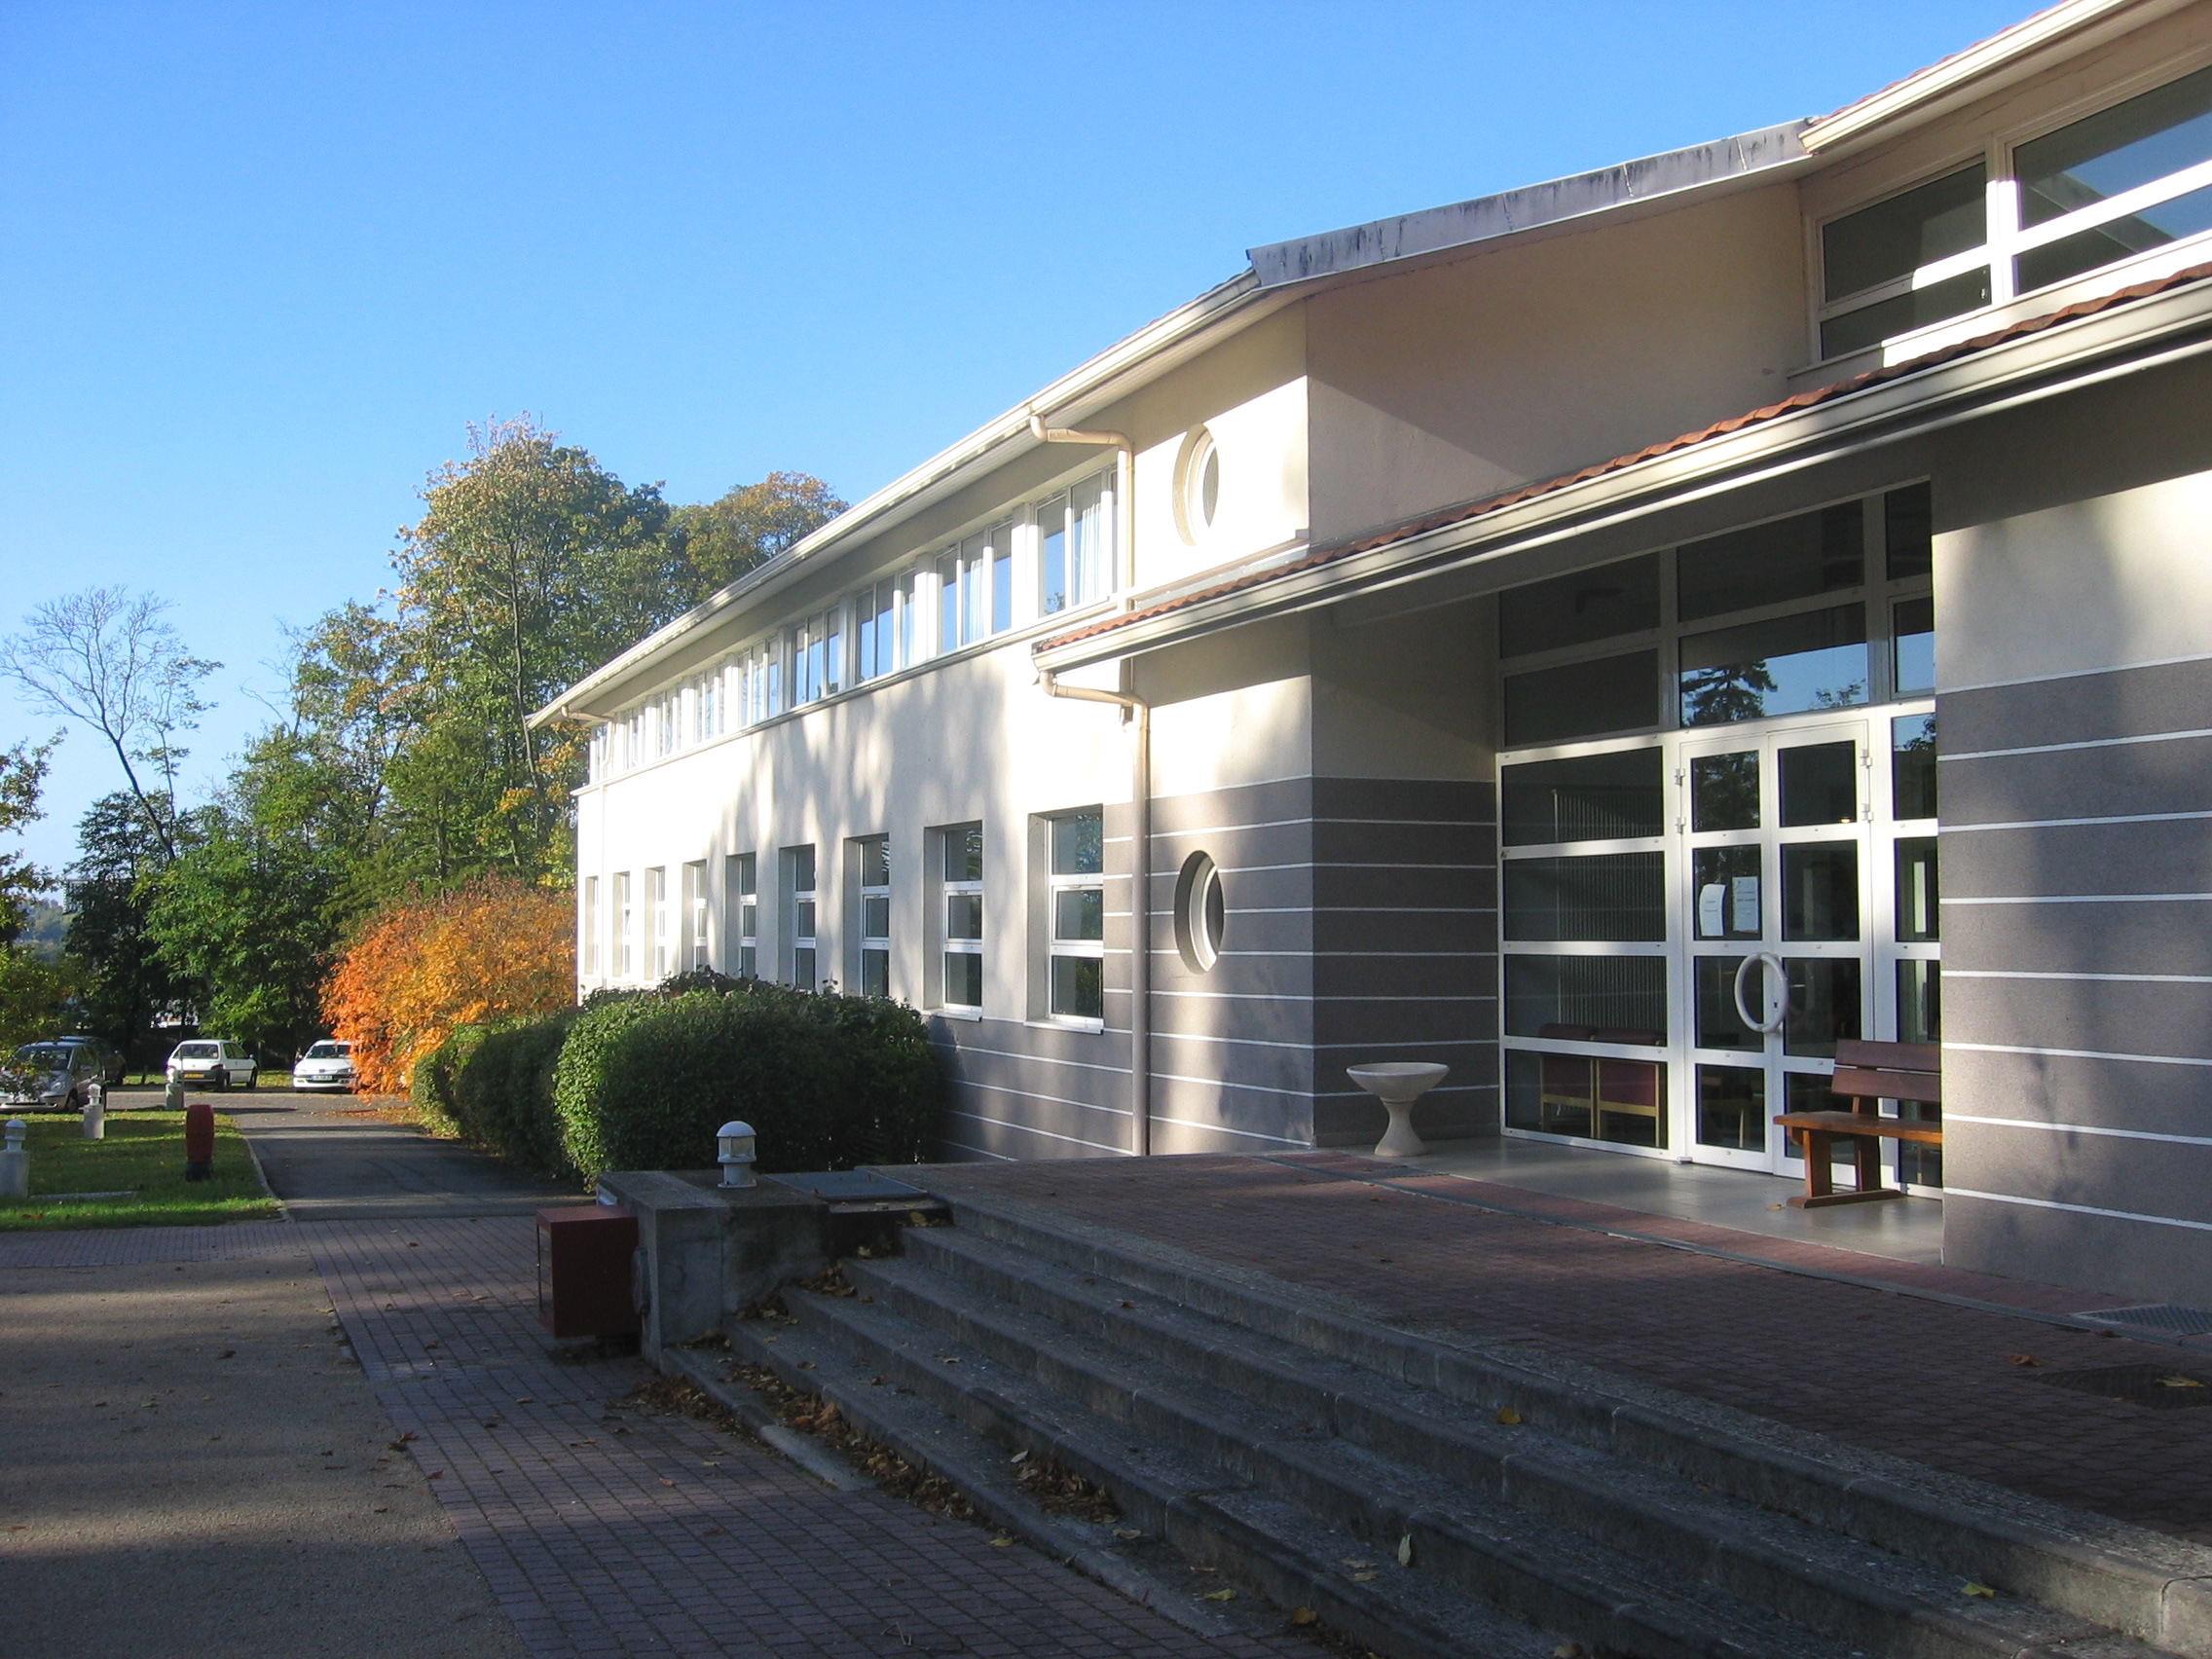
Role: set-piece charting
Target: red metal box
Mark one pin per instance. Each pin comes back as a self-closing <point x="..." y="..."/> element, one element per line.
<point x="583" y="1271"/>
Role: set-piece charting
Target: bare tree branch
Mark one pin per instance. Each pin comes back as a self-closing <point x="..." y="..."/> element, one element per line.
<point x="108" y="659"/>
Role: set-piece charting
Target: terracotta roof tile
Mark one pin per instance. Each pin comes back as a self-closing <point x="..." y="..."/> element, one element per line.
<point x="1466" y="511"/>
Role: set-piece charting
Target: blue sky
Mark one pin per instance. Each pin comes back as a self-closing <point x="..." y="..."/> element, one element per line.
<point x="262" y="264"/>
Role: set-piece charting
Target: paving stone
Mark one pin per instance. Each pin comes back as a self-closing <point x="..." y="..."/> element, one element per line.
<point x="1907" y="1375"/>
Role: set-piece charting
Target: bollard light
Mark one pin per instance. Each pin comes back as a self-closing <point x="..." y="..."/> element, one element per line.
<point x="16" y="1162"/>
<point x="95" y="1112"/>
<point x="736" y="1141"/>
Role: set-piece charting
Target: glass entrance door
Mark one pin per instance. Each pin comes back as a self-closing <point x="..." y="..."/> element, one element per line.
<point x="1776" y="830"/>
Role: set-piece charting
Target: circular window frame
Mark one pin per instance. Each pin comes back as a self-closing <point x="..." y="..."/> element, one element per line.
<point x="1193" y="521"/>
<point x="1202" y="914"/>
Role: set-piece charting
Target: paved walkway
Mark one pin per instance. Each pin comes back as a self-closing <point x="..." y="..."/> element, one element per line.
<point x="1931" y="1376"/>
<point x="591" y="1527"/>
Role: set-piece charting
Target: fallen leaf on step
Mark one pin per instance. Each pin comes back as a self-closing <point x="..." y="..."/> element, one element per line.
<point x="1002" y="1542"/>
<point x="1355" y="1566"/>
<point x="1406" y="1550"/>
<point x="1978" y="1589"/>
<point x="1304" y="1615"/>
<point x="1018" y="1457"/>
<point x="1126" y="1533"/>
<point x="2179" y="1381"/>
<point x="665" y="1480"/>
<point x="1129" y="1305"/>
<point x="1219" y="1596"/>
<point x="1507" y="1416"/>
<point x="2023" y="1359"/>
<point x="1363" y="1578"/>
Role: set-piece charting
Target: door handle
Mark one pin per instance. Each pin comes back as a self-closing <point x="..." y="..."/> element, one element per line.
<point x="1773" y="1022"/>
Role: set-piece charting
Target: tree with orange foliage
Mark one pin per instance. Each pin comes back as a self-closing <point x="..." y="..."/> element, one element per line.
<point x="492" y="949"/>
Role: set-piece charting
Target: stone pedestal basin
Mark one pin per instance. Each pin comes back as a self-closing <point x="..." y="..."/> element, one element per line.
<point x="1398" y="1083"/>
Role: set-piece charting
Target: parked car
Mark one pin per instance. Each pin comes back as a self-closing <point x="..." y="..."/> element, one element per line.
<point x="216" y="1063"/>
<point x="327" y="1064"/>
<point x="55" y="1075"/>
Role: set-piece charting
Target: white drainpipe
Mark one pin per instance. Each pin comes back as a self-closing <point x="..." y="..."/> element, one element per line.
<point x="1135" y="708"/>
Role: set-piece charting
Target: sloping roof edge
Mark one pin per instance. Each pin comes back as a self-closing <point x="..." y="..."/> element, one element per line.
<point x="1467" y="513"/>
<point x="1485" y="218"/>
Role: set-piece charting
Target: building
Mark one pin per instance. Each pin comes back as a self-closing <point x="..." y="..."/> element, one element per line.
<point x="1507" y="634"/>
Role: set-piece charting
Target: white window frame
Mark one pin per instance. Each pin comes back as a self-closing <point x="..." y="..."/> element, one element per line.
<point x="953" y="894"/>
<point x="697" y="947"/>
<point x="2005" y="238"/>
<point x="657" y="900"/>
<point x="803" y="909"/>
<point x="871" y="892"/>
<point x="742" y="876"/>
<point x="1058" y="948"/>
<point x="590" y="953"/>
<point x="625" y="927"/>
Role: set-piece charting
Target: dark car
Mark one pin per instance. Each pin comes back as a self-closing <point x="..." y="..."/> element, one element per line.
<point x="57" y="1075"/>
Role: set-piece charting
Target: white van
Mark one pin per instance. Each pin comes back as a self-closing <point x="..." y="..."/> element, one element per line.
<point x="215" y="1063"/>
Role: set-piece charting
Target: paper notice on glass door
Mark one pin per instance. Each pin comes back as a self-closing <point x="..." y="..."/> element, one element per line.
<point x="1746" y="917"/>
<point x="1712" y="901"/>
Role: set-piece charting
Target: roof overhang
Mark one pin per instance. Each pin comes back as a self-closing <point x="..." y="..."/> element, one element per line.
<point x="2030" y="363"/>
<point x="2012" y="55"/>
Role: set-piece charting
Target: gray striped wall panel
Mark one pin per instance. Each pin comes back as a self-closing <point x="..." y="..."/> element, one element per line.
<point x="2109" y="865"/>
<point x="2132" y="1261"/>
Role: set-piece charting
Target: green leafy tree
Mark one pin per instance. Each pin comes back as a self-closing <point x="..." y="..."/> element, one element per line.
<point x="127" y="986"/>
<point x="35" y="991"/>
<point x="720" y="540"/>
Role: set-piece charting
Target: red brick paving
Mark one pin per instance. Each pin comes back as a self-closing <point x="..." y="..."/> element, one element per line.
<point x="609" y="1531"/>
<point x="1905" y="1374"/>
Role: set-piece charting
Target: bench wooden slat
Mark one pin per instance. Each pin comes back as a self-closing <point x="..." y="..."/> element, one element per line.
<point x="1860" y="1124"/>
<point x="1857" y="1084"/>
<point x="1889" y="1056"/>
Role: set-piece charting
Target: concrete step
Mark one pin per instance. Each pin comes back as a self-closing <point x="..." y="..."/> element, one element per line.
<point x="1269" y="1340"/>
<point x="1386" y="1462"/>
<point x="1482" y="1557"/>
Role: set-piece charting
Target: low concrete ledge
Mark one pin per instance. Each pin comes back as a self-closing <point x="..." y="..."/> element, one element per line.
<point x="706" y="1252"/>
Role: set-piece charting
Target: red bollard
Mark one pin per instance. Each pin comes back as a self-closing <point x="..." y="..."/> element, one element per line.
<point x="199" y="1141"/>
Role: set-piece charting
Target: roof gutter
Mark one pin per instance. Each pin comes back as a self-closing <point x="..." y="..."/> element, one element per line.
<point x="2037" y="367"/>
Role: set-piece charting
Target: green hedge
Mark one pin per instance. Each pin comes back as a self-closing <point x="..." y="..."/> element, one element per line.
<point x="494" y="1084"/>
<point x="827" y="1081"/>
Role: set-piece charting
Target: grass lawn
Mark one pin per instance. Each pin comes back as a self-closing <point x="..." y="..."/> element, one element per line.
<point x="143" y="1153"/>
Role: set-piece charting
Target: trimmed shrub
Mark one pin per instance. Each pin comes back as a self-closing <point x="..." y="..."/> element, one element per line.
<point x="503" y="1089"/>
<point x="430" y="1084"/>
<point x="826" y="1080"/>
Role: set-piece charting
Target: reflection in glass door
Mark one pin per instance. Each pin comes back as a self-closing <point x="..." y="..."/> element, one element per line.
<point x="1776" y="828"/>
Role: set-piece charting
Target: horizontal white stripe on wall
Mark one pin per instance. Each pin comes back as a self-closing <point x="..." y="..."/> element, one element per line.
<point x="1363" y="822"/>
<point x="2080" y="673"/>
<point x="1950" y="973"/>
<point x="1385" y="955"/>
<point x="1334" y="864"/>
<point x="1032" y="1129"/>
<point x="1035" y="1094"/>
<point x="1303" y="996"/>
<point x="2088" y="898"/>
<point x="1225" y="1129"/>
<point x="2076" y="1053"/>
<point x="985" y="1152"/>
<point x="1951" y="829"/>
<point x="2078" y="1129"/>
<point x="2083" y="743"/>
<point x="2077" y="1209"/>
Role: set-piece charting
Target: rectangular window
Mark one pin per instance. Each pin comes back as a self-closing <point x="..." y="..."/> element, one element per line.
<point x="656" y="898"/>
<point x="1074" y="546"/>
<point x="1077" y="894"/>
<point x="1912" y="766"/>
<point x="1606" y="897"/>
<point x="1772" y="564"/>
<point x="817" y="663"/>
<point x="695" y="940"/>
<point x="1582" y="699"/>
<point x="1816" y="660"/>
<point x="1619" y="797"/>
<point x="625" y="928"/>
<point x="1609" y="999"/>
<point x="1919" y="914"/>
<point x="591" y="926"/>
<point x="742" y="895"/>
<point x="799" y="908"/>
<point x="962" y="897"/>
<point x="1876" y="264"/>
<point x="874" y="857"/>
<point x="1908" y="526"/>
<point x="1617" y="1100"/>
<point x="1580" y="608"/>
<point x="883" y="628"/>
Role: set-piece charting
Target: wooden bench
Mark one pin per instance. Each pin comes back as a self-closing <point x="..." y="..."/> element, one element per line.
<point x="1867" y="1074"/>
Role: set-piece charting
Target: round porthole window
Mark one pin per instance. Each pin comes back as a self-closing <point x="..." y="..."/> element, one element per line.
<point x="1199" y="913"/>
<point x="1198" y="499"/>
